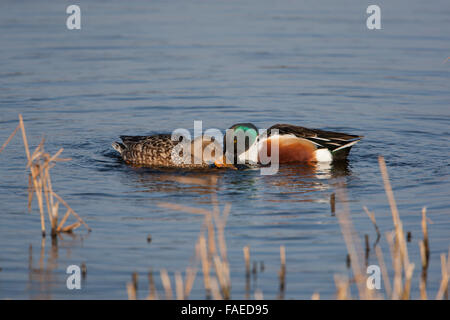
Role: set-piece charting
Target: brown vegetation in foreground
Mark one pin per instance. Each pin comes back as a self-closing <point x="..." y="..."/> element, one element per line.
<point x="40" y="184"/>
<point x="400" y="288"/>
<point x="210" y="250"/>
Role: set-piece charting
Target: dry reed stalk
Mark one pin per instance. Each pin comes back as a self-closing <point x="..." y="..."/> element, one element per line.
<point x="348" y="261"/>
<point x="42" y="254"/>
<point x="179" y="286"/>
<point x="166" y="284"/>
<point x="342" y="287"/>
<point x="283" y="260"/>
<point x="71" y="227"/>
<point x="38" y="190"/>
<point x="423" y="276"/>
<point x="205" y="263"/>
<point x="135" y="278"/>
<point x="30" y="192"/>
<point x="52" y="216"/>
<point x="37" y="153"/>
<point x="246" y="251"/>
<point x="396" y="263"/>
<point x="83" y="270"/>
<point x="408" y="236"/>
<point x="39" y="183"/>
<point x="353" y="244"/>
<point x="72" y="211"/>
<point x="282" y="272"/>
<point x="315" y="296"/>
<point x="408" y="276"/>
<point x="247" y="260"/>
<point x="399" y="234"/>
<point x="215" y="291"/>
<point x="211" y="235"/>
<point x="9" y="138"/>
<point x="445" y="269"/>
<point x="220" y="257"/>
<point x="400" y="241"/>
<point x="30" y="257"/>
<point x="221" y="241"/>
<point x="63" y="220"/>
<point x="153" y="293"/>
<point x="131" y="291"/>
<point x="426" y="243"/>
<point x="221" y="223"/>
<point x="384" y="272"/>
<point x="367" y="249"/>
<point x="333" y="204"/>
<point x="191" y="273"/>
<point x="371" y="216"/>
<point x="258" y="295"/>
<point x="24" y="137"/>
<point x="222" y="277"/>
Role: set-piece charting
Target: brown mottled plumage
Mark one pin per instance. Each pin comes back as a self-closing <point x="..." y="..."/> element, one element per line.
<point x="156" y="151"/>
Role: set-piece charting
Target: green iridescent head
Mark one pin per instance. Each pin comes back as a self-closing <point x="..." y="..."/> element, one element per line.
<point x="241" y="137"/>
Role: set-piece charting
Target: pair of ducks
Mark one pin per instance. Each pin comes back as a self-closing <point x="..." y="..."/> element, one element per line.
<point x="295" y="145"/>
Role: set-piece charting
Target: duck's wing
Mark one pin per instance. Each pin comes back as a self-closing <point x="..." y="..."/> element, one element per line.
<point x="145" y="144"/>
<point x="153" y="139"/>
<point x="338" y="143"/>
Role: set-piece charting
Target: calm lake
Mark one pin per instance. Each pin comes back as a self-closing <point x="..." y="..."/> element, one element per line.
<point x="144" y="67"/>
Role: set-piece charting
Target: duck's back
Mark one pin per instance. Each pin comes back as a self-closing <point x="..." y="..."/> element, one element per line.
<point x="155" y="150"/>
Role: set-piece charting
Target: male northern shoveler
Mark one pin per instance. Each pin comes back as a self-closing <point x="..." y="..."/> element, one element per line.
<point x="157" y="151"/>
<point x="295" y="144"/>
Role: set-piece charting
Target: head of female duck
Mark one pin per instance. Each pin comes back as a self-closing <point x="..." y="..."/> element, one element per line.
<point x="240" y="144"/>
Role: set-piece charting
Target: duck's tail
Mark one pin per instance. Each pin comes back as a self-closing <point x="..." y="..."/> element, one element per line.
<point x="119" y="147"/>
<point x="342" y="152"/>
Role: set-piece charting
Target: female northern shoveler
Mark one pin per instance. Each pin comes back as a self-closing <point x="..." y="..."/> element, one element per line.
<point x="295" y="144"/>
<point x="157" y="151"/>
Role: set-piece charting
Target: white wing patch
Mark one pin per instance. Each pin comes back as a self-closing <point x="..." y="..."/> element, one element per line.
<point x="323" y="155"/>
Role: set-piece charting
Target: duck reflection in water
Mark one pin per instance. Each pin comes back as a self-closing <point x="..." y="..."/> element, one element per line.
<point x="293" y="182"/>
<point x="304" y="182"/>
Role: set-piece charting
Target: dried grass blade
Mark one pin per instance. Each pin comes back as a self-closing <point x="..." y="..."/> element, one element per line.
<point x="9" y="138"/>
<point x="71" y="227"/>
<point x="166" y="284"/>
